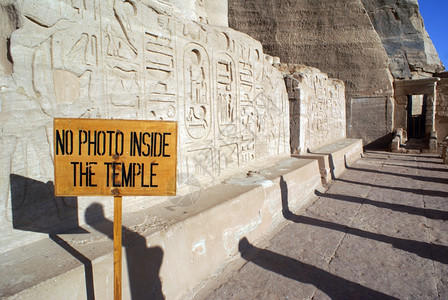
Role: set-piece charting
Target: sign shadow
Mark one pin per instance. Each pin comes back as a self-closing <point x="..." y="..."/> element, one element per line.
<point x="143" y="262"/>
<point x="35" y="208"/>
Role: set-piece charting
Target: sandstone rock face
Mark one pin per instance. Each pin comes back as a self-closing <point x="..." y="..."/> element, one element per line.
<point x="141" y="60"/>
<point x="402" y="32"/>
<point x="336" y="37"/>
<point x="317" y="107"/>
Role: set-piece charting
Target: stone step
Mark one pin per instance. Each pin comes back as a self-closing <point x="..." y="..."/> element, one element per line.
<point x="334" y="158"/>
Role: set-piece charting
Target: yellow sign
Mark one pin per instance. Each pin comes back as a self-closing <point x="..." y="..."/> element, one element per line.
<point x="94" y="157"/>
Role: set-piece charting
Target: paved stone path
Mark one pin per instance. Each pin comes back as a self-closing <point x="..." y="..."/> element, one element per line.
<point x="379" y="232"/>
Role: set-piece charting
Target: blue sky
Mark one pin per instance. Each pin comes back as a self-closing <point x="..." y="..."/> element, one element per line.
<point x="434" y="14"/>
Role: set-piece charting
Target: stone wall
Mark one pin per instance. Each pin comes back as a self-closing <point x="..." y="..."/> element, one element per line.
<point x="442" y="98"/>
<point x="317" y="107"/>
<point x="141" y="60"/>
<point x="336" y="37"/>
<point x="442" y="109"/>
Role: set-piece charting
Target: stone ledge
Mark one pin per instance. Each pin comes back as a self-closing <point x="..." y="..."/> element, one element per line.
<point x="334" y="158"/>
<point x="172" y="247"/>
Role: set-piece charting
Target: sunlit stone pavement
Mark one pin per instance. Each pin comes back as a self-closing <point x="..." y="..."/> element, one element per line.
<point x="380" y="231"/>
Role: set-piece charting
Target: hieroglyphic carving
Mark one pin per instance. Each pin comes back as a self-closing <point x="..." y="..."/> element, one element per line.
<point x="227" y="101"/>
<point x="198" y="115"/>
<point x="123" y="76"/>
<point x="160" y="83"/>
<point x="195" y="33"/>
<point x="262" y="123"/>
<point x="273" y="124"/>
<point x="274" y="106"/>
<point x="85" y="50"/>
<point x="66" y="60"/>
<point x="141" y="59"/>
<point x="336" y="108"/>
<point x="225" y="43"/>
<point x="159" y="56"/>
<point x="318" y="130"/>
<point x="248" y="115"/>
<point x="123" y="86"/>
<point x="247" y="152"/>
<point x="247" y="87"/>
<point x="118" y="47"/>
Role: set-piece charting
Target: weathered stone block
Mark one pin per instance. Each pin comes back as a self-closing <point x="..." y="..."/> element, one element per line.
<point x="317" y="107"/>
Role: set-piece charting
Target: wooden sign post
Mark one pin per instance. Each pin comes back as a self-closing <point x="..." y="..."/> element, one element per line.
<point x="94" y="157"/>
<point x="117" y="246"/>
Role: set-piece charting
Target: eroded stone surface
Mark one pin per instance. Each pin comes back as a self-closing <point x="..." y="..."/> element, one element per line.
<point x="339" y="39"/>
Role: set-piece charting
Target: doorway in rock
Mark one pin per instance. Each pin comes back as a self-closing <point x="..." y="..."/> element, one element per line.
<point x="416" y="116"/>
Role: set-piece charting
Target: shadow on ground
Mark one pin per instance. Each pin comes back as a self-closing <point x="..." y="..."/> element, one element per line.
<point x="334" y="286"/>
<point x="415" y="177"/>
<point x="422" y="249"/>
<point x="424" y="192"/>
<point x="425" y="212"/>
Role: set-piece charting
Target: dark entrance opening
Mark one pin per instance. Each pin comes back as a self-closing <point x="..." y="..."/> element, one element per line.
<point x="416" y="116"/>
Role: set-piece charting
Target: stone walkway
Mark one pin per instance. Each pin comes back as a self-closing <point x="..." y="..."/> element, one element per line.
<point x="379" y="232"/>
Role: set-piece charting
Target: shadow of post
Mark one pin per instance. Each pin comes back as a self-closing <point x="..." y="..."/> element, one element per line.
<point x="90" y="289"/>
<point x="334" y="286"/>
<point x="143" y="263"/>
<point x="284" y="195"/>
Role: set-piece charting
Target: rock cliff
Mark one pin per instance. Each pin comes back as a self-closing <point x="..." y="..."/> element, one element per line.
<point x="404" y="37"/>
<point x="337" y="38"/>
